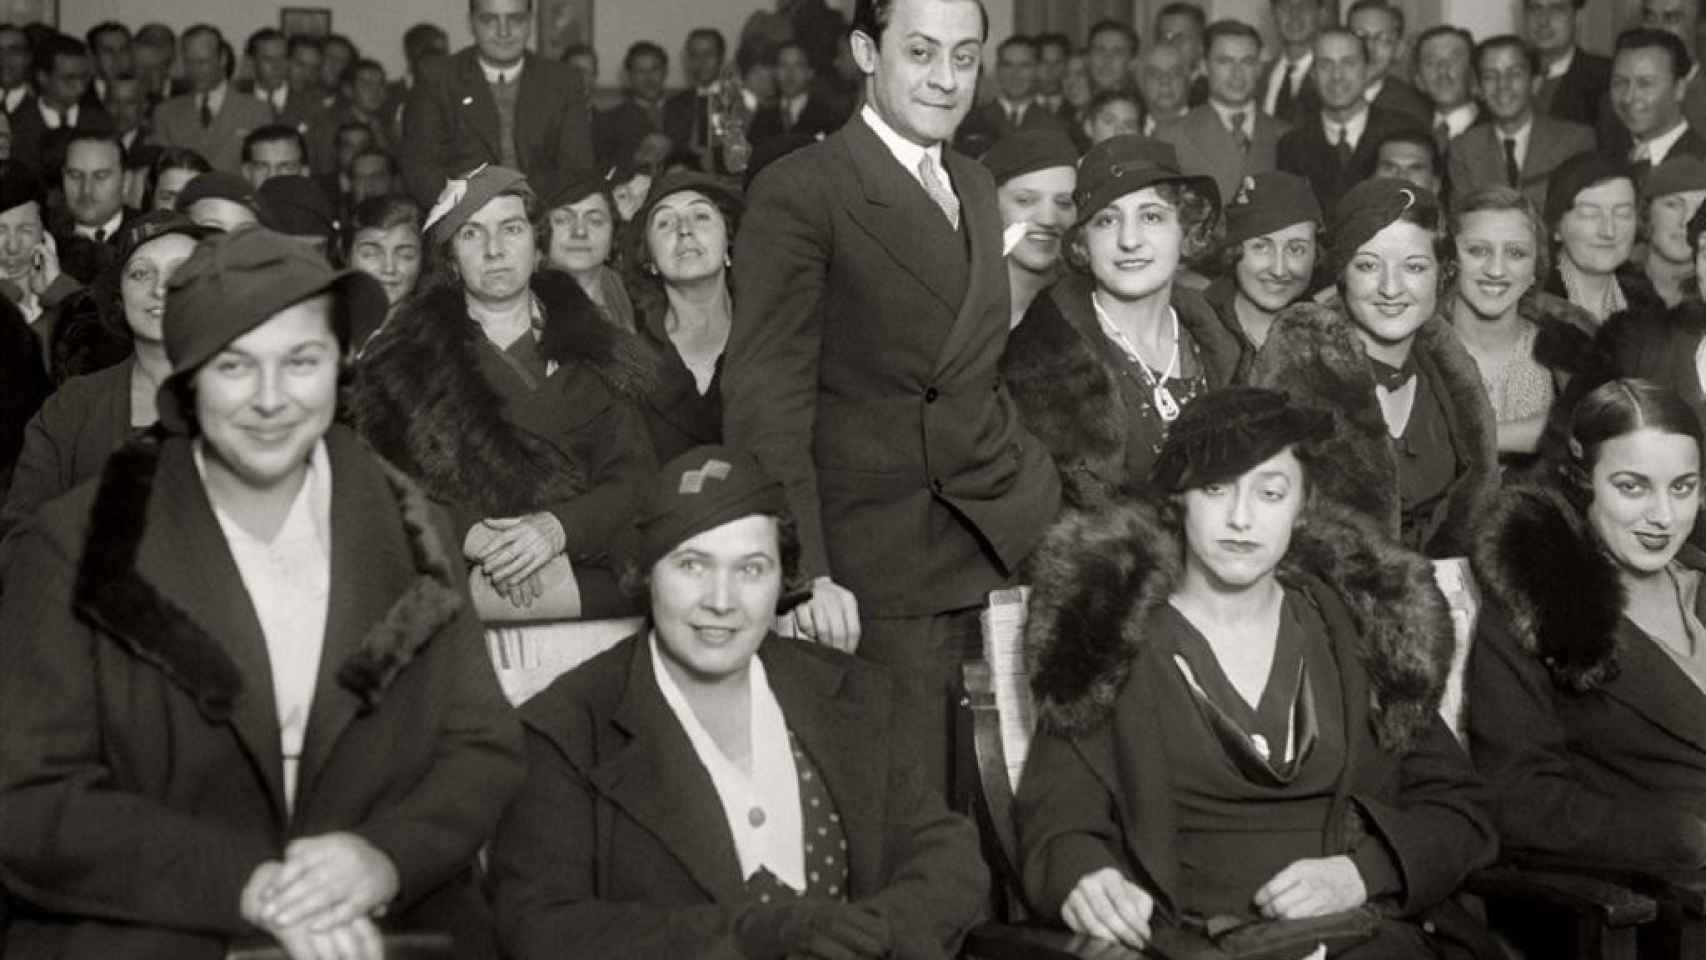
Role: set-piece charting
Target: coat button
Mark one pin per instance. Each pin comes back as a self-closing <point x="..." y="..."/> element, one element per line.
<point x="937" y="484"/>
<point x="931" y="394"/>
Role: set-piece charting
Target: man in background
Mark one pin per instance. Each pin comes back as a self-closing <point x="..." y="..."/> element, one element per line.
<point x="1182" y="25"/>
<point x="1521" y="146"/>
<point x="1380" y="24"/>
<point x="1229" y="137"/>
<point x="213" y="118"/>
<point x="1442" y="67"/>
<point x="1288" y="89"/>
<point x="687" y="113"/>
<point x="625" y="128"/>
<point x="1573" y="81"/>
<point x="1109" y="52"/>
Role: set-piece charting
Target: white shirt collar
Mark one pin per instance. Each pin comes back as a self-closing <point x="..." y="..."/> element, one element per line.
<point x="54" y="117"/>
<point x="711" y="89"/>
<point x="16" y="96"/>
<point x="1660" y="146"/>
<point x="763" y="810"/>
<point x="1226" y="113"/>
<point x="905" y="151"/>
<point x="1354" y="128"/>
<point x="1521" y="137"/>
<point x="215" y="98"/>
<point x="277" y="96"/>
<point x="511" y="73"/>
<point x="1373" y="92"/>
<point x="1561" y="66"/>
<point x="110" y="228"/>
<point x="1283" y="73"/>
<point x="796" y="105"/>
<point x="1458" y="118"/>
<point x="1008" y="106"/>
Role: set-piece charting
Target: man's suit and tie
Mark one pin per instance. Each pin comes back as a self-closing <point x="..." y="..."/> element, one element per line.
<point x="988" y="123"/>
<point x="1478" y="156"/>
<point x="1401" y="97"/>
<point x="1297" y="102"/>
<point x="1305" y="151"/>
<point x="43" y="147"/>
<point x="1576" y="96"/>
<point x="1207" y="145"/>
<point x="178" y="123"/>
<point x="452" y="125"/>
<point x="816" y="118"/>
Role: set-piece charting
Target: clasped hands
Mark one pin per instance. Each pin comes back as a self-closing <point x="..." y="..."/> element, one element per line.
<point x="512" y="559"/>
<point x="1106" y="905"/>
<point x="318" y="903"/>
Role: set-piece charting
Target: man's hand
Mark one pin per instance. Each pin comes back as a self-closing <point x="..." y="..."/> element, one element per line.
<point x="328" y="881"/>
<point x="1312" y="888"/>
<point x="1107" y="906"/>
<point x="44" y="265"/>
<point x="522" y="548"/>
<point x="831" y="616"/>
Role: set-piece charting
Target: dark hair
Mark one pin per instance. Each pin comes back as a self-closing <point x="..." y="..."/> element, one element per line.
<point x="1642" y="38"/>
<point x="1416" y="136"/>
<point x="644" y="48"/>
<point x="361" y="64"/>
<point x="796" y="587"/>
<point x="474" y="4"/>
<point x="1445" y="30"/>
<point x="274" y="133"/>
<point x="1499" y="197"/>
<point x="1177" y="9"/>
<point x="301" y="40"/>
<point x="1613" y="409"/>
<point x="440" y="264"/>
<point x="638" y="250"/>
<point x="156" y="33"/>
<point x="418" y="37"/>
<point x="1332" y="31"/>
<point x="1016" y="41"/>
<point x="1199" y="225"/>
<point x="203" y="29"/>
<point x="580" y="50"/>
<point x="380" y="213"/>
<point x="709" y="33"/>
<point x="1105" y="97"/>
<point x="104" y="135"/>
<point x="93" y="36"/>
<point x="871" y="18"/>
<point x="1221" y="29"/>
<point x="548" y="233"/>
<point x="264" y="35"/>
<point x="1232" y="253"/>
<point x="1428" y="218"/>
<point x="1114" y="26"/>
<point x="1382" y="6"/>
<point x="1059" y="41"/>
<point x="59" y="45"/>
<point x="1507" y="41"/>
<point x="172" y="158"/>
<point x="776" y="56"/>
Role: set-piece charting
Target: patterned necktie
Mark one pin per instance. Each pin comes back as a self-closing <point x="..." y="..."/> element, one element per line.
<point x="939" y="191"/>
<point x="206" y="112"/>
<point x="1239" y="134"/>
<point x="1513" y="173"/>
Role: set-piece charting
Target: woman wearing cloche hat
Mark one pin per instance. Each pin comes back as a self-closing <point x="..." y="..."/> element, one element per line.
<point x="1415" y="447"/>
<point x="245" y="691"/>
<point x="1105" y="360"/>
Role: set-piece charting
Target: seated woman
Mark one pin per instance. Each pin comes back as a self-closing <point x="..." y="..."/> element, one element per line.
<point x="581" y="230"/>
<point x="1526" y="343"/>
<point x="709" y="789"/>
<point x="1414" y="448"/>
<point x="1590" y="212"/>
<point x="1670" y="196"/>
<point x="245" y="692"/>
<point x="681" y="241"/>
<point x="1586" y="684"/>
<point x="1035" y="173"/>
<point x="1273" y="239"/>
<point x="1106" y="359"/>
<point x="91" y="416"/>
<point x="506" y="395"/>
<point x="1237" y="695"/>
<point x="383" y="240"/>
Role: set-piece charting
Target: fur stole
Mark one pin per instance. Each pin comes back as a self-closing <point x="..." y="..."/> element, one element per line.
<point x="1099" y="576"/>
<point x="1315" y="355"/>
<point x="1557" y="590"/>
<point x="1070" y="399"/>
<point x="418" y="396"/>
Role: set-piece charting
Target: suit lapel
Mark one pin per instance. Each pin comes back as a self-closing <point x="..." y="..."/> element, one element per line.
<point x="1652" y="685"/>
<point x="657" y="779"/>
<point x="982" y="221"/>
<point x="478" y="106"/>
<point x="903" y="219"/>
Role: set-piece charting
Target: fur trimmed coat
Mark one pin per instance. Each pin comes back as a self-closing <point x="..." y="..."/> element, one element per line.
<point x="1096" y="790"/>
<point x="1592" y="739"/>
<point x="1073" y="398"/>
<point x="1315" y="355"/>
<point x="577" y="446"/>
<point x="141" y="778"/>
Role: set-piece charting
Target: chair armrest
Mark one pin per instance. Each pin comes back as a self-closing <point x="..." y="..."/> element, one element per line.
<point x="1606" y="902"/>
<point x="994" y="941"/>
<point x="1687" y="888"/>
<point x="993" y="807"/>
<point x="398" y="946"/>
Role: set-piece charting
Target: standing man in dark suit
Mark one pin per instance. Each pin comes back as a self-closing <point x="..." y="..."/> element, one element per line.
<point x="421" y="42"/>
<point x="42" y="124"/>
<point x="1380" y="24"/>
<point x="95" y="215"/>
<point x="861" y="366"/>
<point x="1648" y="82"/>
<point x="1337" y="147"/>
<point x="797" y="110"/>
<point x="687" y="113"/>
<point x="1014" y="107"/>
<point x="494" y="102"/>
<point x="623" y="131"/>
<point x="213" y="118"/>
<point x="1053" y="50"/>
<point x="1574" y="81"/>
<point x="1520" y="147"/>
<point x="1288" y="89"/>
<point x="1229" y="138"/>
<point x="16" y="65"/>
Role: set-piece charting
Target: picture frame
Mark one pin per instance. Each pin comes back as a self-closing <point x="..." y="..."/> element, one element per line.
<point x="305" y="21"/>
<point x="22" y="13"/>
<point x="561" y="25"/>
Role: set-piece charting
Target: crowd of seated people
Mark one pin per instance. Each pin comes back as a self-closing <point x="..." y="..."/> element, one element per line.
<point x="797" y="347"/>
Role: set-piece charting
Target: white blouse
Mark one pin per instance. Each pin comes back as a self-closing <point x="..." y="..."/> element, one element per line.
<point x="763" y="811"/>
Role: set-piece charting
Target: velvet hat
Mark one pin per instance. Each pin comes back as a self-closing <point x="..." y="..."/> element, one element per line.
<point x="1126" y="164"/>
<point x="700" y="490"/>
<point x="1370" y="207"/>
<point x="1027" y="152"/>
<point x="1223" y="433"/>
<point x="1576" y="174"/>
<point x="463" y="197"/>
<point x="217" y="184"/>
<point x="1270" y="201"/>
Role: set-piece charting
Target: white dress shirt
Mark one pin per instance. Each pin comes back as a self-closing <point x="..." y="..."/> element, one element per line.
<point x="15" y="96"/>
<point x="905" y="151"/>
<point x="1227" y="113"/>
<point x="794" y="106"/>
<point x="1561" y="66"/>
<point x="105" y="231"/>
<point x="1458" y="118"/>
<point x="1353" y="128"/>
<point x="56" y="119"/>
<point x="762" y="810"/>
<point x="1290" y="71"/>
<point x="509" y="74"/>
<point x="1521" y="138"/>
<point x="1658" y="147"/>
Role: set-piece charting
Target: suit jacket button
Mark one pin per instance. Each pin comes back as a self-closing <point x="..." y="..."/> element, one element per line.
<point x="930" y="395"/>
<point x="937" y="484"/>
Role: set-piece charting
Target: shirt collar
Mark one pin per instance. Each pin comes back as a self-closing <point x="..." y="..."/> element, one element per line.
<point x="712" y="89"/>
<point x="16" y="96"/>
<point x="796" y="104"/>
<point x="110" y="228"/>
<point x="67" y="117"/>
<point x="215" y="97"/>
<point x="1304" y="63"/>
<point x="1458" y="118"/>
<point x="905" y="151"/>
<point x="1226" y="113"/>
<point x="511" y="73"/>
<point x="1660" y="146"/>
<point x="1561" y="66"/>
<point x="1521" y="137"/>
<point x="1373" y="92"/>
<point x="1354" y="127"/>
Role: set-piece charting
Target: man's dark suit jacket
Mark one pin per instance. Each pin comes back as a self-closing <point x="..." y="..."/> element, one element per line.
<point x="987" y="124"/>
<point x="679" y="109"/>
<point x="1304" y="150"/>
<point x="451" y="124"/>
<point x="1400" y="97"/>
<point x="817" y="118"/>
<point x="1577" y="94"/>
<point x="81" y="256"/>
<point x="862" y="371"/>
<point x="1305" y="104"/>
<point x="43" y="150"/>
<point x="619" y="131"/>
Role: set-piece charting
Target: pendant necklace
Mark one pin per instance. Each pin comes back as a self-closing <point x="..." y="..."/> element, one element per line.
<point x="1166" y="407"/>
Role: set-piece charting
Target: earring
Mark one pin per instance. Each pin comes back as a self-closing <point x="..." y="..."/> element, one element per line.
<point x="728" y="261"/>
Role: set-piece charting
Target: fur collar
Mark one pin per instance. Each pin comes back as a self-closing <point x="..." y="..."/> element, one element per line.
<point x="1099" y="576"/>
<point x="114" y="595"/>
<point x="420" y="399"/>
<point x="1314" y="354"/>
<point x="1557" y="590"/>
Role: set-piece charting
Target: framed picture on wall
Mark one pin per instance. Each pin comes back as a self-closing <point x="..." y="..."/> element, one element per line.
<point x="25" y="12"/>
<point x="562" y="24"/>
<point x="305" y="21"/>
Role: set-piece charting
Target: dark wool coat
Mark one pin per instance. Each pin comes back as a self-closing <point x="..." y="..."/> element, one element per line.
<point x="1314" y="354"/>
<point x="1097" y="791"/>
<point x="576" y="447"/>
<point x="141" y="780"/>
<point x="1592" y="738"/>
<point x="66" y="443"/>
<point x="618" y="844"/>
<point x="1079" y="405"/>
